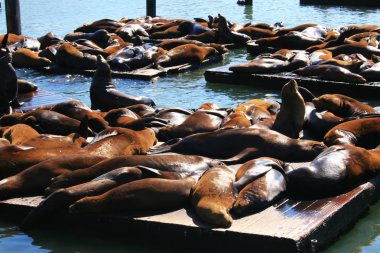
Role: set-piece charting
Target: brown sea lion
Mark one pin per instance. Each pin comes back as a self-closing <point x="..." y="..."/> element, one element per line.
<point x="8" y="84"/>
<point x="33" y="180"/>
<point x="184" y="165"/>
<point x="261" y="65"/>
<point x="292" y="40"/>
<point x="103" y="93"/>
<point x="255" y="32"/>
<point x="70" y="57"/>
<point x="24" y="57"/>
<point x="12" y="38"/>
<point x="49" y="39"/>
<point x="360" y="132"/>
<point x="120" y="117"/>
<point x="372" y="74"/>
<point x="198" y="122"/>
<point x="331" y="73"/>
<point x="298" y="28"/>
<point x="25" y="86"/>
<point x="355" y="47"/>
<point x="272" y="106"/>
<point x="213" y="196"/>
<point x="260" y="182"/>
<point x="169" y="33"/>
<point x="337" y="170"/>
<point x="342" y="106"/>
<point x="206" y="37"/>
<point x="79" y="111"/>
<point x="100" y="37"/>
<point x="141" y="109"/>
<point x="188" y="53"/>
<point x="236" y="120"/>
<point x="141" y="195"/>
<point x="18" y="134"/>
<point x="63" y="198"/>
<point x="239" y="145"/>
<point x="175" y="116"/>
<point x="290" y="119"/>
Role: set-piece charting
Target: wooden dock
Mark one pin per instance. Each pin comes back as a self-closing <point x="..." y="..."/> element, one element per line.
<point x="276" y="81"/>
<point x="34" y="99"/>
<point x="366" y="3"/>
<point x="289" y="226"/>
<point x="143" y="74"/>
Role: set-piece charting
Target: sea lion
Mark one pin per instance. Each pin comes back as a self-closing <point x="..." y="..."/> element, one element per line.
<point x="290" y="119"/>
<point x="100" y="37"/>
<point x="338" y="169"/>
<point x="360" y="132"/>
<point x="331" y="73"/>
<point x="236" y="120"/>
<point x="175" y="116"/>
<point x="255" y="32"/>
<point x="292" y="40"/>
<point x="24" y="57"/>
<point x="120" y="117"/>
<point x="226" y="36"/>
<point x="169" y="33"/>
<point x="272" y="106"/>
<point x="261" y="65"/>
<point x="355" y="47"/>
<point x="11" y="38"/>
<point x="4" y="142"/>
<point x="342" y="106"/>
<point x="103" y="93"/>
<point x="188" y="53"/>
<point x="239" y="145"/>
<point x="47" y="122"/>
<point x="298" y="28"/>
<point x="49" y="39"/>
<point x="63" y="198"/>
<point x="78" y="110"/>
<point x="260" y="182"/>
<point x="213" y="196"/>
<point x="130" y="31"/>
<point x="141" y="109"/>
<point x="19" y="133"/>
<point x="206" y="37"/>
<point x="141" y="195"/>
<point x="184" y="165"/>
<point x="35" y="179"/>
<point x="372" y="74"/>
<point x="70" y="57"/>
<point x="198" y="122"/>
<point x="8" y="84"/>
<point x="25" y="86"/>
<point x="106" y="24"/>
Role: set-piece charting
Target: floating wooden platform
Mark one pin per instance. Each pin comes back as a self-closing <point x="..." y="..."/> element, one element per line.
<point x="276" y="81"/>
<point x="32" y="100"/>
<point x="290" y="226"/>
<point x="368" y="3"/>
<point x="144" y="74"/>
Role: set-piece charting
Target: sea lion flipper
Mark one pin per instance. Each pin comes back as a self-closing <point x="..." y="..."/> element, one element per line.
<point x="250" y="175"/>
<point x="244" y="155"/>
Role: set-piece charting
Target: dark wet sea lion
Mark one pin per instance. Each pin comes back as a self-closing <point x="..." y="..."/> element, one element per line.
<point x="331" y="73"/>
<point x="26" y="86"/>
<point x="342" y="106"/>
<point x="260" y="182"/>
<point x="175" y="116"/>
<point x="239" y="145"/>
<point x="290" y="119"/>
<point x="8" y="84"/>
<point x="141" y="195"/>
<point x="360" y="132"/>
<point x="33" y="180"/>
<point x="338" y="169"/>
<point x="63" y="198"/>
<point x="198" y="122"/>
<point x="103" y="93"/>
<point x="226" y="36"/>
<point x="70" y="57"/>
<point x="79" y="111"/>
<point x="24" y="57"/>
<point x="213" y="196"/>
<point x="184" y="165"/>
<point x="45" y="121"/>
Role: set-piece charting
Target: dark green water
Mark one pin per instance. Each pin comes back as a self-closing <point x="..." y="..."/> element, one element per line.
<point x="187" y="90"/>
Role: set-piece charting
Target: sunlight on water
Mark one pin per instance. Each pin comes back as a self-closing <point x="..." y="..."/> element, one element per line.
<point x="186" y="90"/>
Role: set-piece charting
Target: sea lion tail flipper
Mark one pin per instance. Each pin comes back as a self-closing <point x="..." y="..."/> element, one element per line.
<point x="307" y="95"/>
<point x="244" y="155"/>
<point x="165" y="147"/>
<point x="83" y="129"/>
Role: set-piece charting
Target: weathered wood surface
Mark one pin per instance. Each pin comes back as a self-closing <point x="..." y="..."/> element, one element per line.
<point x="32" y="100"/>
<point x="289" y="226"/>
<point x="276" y="81"/>
<point x="368" y="3"/>
<point x="144" y="74"/>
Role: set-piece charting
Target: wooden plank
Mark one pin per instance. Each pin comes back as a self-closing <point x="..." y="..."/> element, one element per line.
<point x="289" y="226"/>
<point x="32" y="100"/>
<point x="144" y="74"/>
<point x="276" y="81"/>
